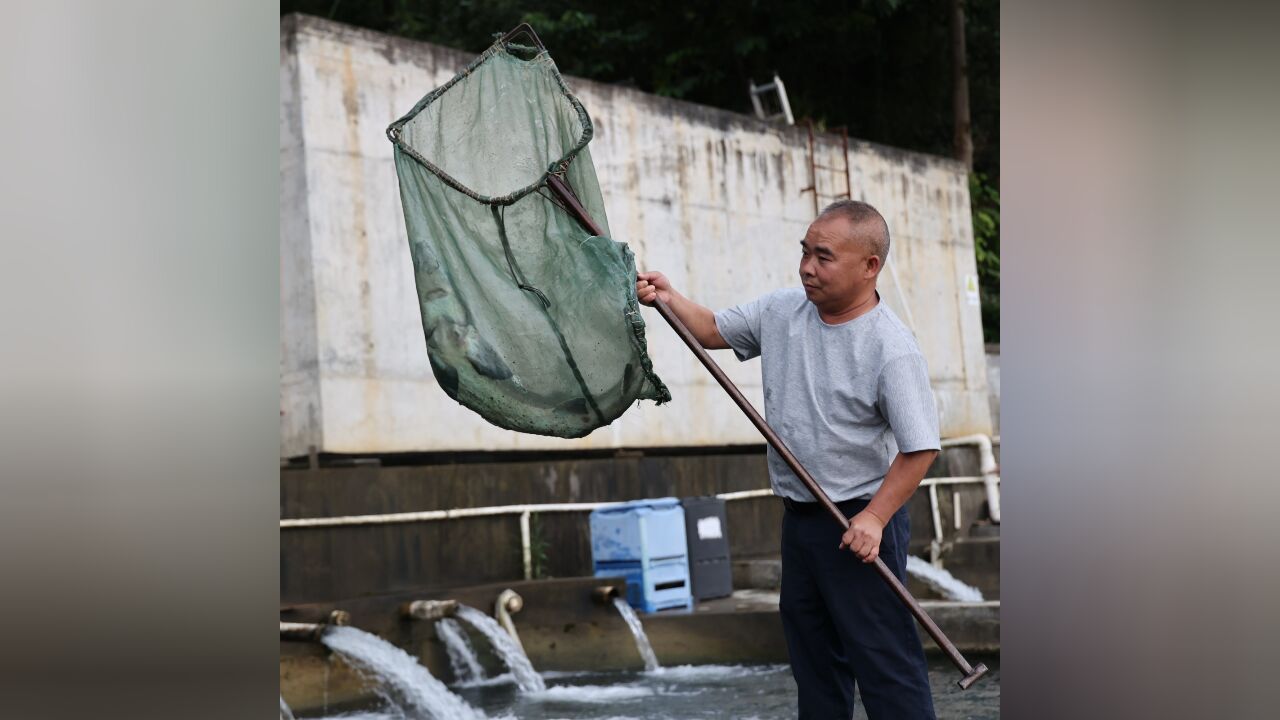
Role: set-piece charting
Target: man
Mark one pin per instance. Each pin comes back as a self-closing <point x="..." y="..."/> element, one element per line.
<point x="847" y="389"/>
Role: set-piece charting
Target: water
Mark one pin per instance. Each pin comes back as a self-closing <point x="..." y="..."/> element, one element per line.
<point x="942" y="581"/>
<point x="642" y="640"/>
<point x="404" y="681"/>
<point x="706" y="691"/>
<point x="462" y="657"/>
<point x="764" y="692"/>
<point x="526" y="677"/>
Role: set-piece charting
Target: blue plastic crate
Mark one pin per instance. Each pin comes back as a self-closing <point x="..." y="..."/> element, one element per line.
<point x="653" y="586"/>
<point x="644" y="530"/>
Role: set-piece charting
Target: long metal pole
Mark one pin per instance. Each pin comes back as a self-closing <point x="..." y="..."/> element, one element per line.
<point x="971" y="673"/>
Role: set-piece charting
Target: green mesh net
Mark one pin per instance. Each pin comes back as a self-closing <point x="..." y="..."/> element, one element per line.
<point x="530" y="320"/>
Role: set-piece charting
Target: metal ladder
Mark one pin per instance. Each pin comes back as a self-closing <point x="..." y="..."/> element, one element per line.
<point x="814" y="166"/>
<point x="776" y="86"/>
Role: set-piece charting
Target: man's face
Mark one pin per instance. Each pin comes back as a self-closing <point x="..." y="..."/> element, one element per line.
<point x="833" y="265"/>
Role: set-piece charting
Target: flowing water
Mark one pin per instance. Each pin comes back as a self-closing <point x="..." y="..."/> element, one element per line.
<point x="642" y="640"/>
<point x="721" y="692"/>
<point x="526" y="677"/>
<point x="462" y="657"/>
<point x="402" y="680"/>
<point x="942" y="581"/>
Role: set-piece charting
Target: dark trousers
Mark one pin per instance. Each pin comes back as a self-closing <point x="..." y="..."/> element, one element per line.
<point x="844" y="625"/>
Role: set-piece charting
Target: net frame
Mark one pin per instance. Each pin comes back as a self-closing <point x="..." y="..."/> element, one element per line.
<point x="558" y="168"/>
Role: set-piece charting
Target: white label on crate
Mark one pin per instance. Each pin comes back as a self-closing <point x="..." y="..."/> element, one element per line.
<point x="709" y="528"/>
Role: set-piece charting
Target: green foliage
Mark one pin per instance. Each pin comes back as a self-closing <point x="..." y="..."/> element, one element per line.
<point x="880" y="67"/>
<point x="538" y="546"/>
<point x="984" y="200"/>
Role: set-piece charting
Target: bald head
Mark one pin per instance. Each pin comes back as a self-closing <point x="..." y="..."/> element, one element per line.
<point x="866" y="225"/>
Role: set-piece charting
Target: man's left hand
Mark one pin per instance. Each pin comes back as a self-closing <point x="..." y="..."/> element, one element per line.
<point x="863" y="536"/>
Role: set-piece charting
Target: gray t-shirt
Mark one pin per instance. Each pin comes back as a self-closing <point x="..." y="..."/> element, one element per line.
<point x="844" y="398"/>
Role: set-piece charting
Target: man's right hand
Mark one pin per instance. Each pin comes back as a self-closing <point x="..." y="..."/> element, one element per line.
<point x="651" y="286"/>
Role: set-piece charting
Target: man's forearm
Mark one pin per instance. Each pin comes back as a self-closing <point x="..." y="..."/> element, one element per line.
<point x="700" y="320"/>
<point x="904" y="476"/>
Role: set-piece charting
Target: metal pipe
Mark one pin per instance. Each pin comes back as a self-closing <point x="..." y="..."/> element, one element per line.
<point x="955" y="509"/>
<point x="425" y="515"/>
<point x="962" y="480"/>
<point x="753" y="90"/>
<point x="746" y="494"/>
<point x="526" y="29"/>
<point x="971" y="673"/>
<point x="429" y="515"/>
<point x="935" y="512"/>
<point x="509" y="602"/>
<point x="986" y="456"/>
<point x="987" y="465"/>
<point x="302" y="632"/>
<point x="605" y="594"/>
<point x="455" y="513"/>
<point x="992" y="483"/>
<point x="429" y="609"/>
<point x="312" y="632"/>
<point x="782" y="99"/>
<point x="526" y="543"/>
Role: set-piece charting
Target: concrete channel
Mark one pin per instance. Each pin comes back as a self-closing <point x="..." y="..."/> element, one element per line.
<point x="563" y="629"/>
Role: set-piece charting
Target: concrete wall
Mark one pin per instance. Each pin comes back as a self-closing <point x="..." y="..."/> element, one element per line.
<point x="319" y="564"/>
<point x="325" y="564"/>
<point x="712" y="198"/>
<point x="993" y="385"/>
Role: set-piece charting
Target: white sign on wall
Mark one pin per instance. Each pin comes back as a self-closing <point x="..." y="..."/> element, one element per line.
<point x="971" y="289"/>
<point x="709" y="528"/>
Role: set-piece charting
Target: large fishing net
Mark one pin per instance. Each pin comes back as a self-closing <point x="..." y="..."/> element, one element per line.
<point x="530" y="320"/>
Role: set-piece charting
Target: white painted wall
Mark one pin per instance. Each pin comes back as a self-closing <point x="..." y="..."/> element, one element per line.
<point x="711" y="198"/>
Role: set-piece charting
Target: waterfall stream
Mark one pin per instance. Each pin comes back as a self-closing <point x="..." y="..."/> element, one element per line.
<point x="942" y="581"/>
<point x="521" y="669"/>
<point x="462" y="657"/>
<point x="642" y="640"/>
<point x="404" y="679"/>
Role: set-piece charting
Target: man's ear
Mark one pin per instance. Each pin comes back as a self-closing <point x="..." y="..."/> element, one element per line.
<point x="873" y="267"/>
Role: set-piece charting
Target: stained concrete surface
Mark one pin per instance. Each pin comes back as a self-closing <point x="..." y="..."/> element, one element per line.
<point x="710" y="197"/>
<point x="563" y="629"/>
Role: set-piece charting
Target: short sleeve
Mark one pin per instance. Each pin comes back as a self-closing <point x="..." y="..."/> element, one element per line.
<point x="907" y="403"/>
<point x="740" y="327"/>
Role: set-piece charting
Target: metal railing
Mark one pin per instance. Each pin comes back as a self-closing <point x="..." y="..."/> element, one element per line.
<point x="524" y="511"/>
<point x="989" y="479"/>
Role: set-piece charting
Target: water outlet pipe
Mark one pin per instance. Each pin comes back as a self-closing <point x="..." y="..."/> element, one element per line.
<point x="605" y="594"/>
<point x="312" y="632"/>
<point x="508" y="603"/>
<point x="429" y="609"/>
<point x="302" y="632"/>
